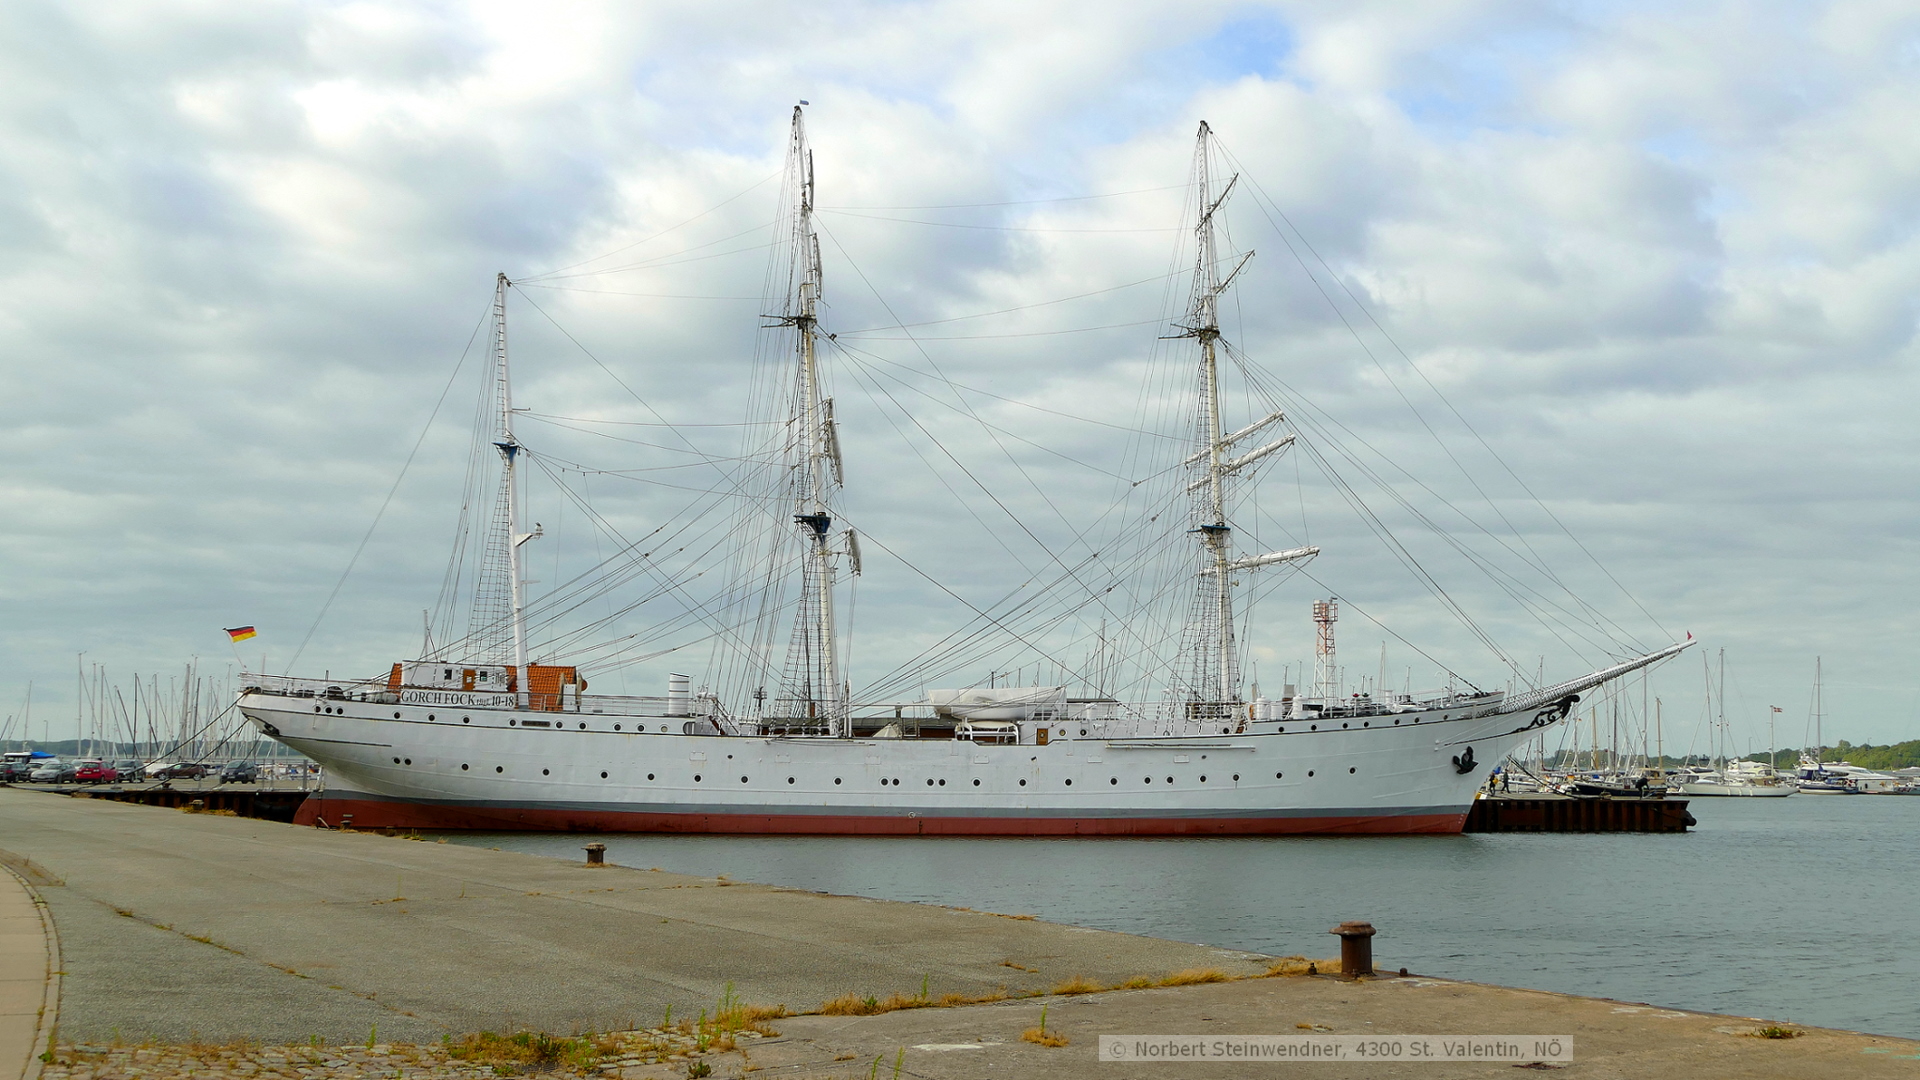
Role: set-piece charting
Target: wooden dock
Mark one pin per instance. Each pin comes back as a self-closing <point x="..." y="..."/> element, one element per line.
<point x="1562" y="813"/>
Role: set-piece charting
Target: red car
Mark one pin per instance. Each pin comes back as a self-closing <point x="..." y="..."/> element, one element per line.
<point x="95" y="772"/>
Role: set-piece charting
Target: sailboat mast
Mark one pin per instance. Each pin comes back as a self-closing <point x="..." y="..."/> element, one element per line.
<point x="822" y="686"/>
<point x="509" y="449"/>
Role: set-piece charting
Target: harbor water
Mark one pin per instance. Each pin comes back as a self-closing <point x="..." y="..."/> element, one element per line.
<point x="1793" y="909"/>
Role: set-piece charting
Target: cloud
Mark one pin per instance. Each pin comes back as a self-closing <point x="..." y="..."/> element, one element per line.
<point x="1659" y="259"/>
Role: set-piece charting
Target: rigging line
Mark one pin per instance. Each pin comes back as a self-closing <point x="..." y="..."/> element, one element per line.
<point x="388" y="501"/>
<point x="1505" y="580"/>
<point x="930" y="580"/>
<point x="704" y="458"/>
<point x="644" y="403"/>
<point x="1014" y="401"/>
<point x="1448" y="402"/>
<point x="658" y="259"/>
<point x="983" y="228"/>
<point x="1052" y="556"/>
<point x="643" y="423"/>
<point x="650" y="239"/>
<point x="1013" y="202"/>
<point x="1593" y="618"/>
<point x="623" y="292"/>
<point x="1010" y="434"/>
<point x="674" y="260"/>
<point x="869" y="336"/>
<point x="692" y="604"/>
<point x="1005" y="311"/>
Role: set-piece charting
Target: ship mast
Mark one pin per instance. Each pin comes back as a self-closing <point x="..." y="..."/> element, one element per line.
<point x="1215" y="688"/>
<point x="814" y="668"/>
<point x="509" y="507"/>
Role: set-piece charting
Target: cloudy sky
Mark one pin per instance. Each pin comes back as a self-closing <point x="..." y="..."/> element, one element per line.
<point x="1653" y="264"/>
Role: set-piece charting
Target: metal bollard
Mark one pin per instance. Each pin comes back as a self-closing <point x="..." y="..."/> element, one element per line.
<point x="1356" y="948"/>
<point x="596" y="854"/>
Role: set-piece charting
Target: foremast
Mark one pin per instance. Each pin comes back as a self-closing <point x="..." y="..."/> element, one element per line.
<point x="816" y="692"/>
<point x="1213" y="659"/>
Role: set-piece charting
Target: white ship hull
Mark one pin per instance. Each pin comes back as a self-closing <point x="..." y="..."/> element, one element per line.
<point x="1752" y="791"/>
<point x="422" y="766"/>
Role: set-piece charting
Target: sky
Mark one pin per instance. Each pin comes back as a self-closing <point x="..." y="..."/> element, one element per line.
<point x="1627" y="290"/>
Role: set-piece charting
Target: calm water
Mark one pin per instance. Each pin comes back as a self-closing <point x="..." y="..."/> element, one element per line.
<point x="1800" y="909"/>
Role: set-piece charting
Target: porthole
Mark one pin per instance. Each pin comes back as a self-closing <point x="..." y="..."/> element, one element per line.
<point x="943" y="783"/>
<point x="1203" y="778"/>
<point x="836" y="779"/>
<point x="396" y="761"/>
<point x="663" y="729"/>
<point x="1223" y="731"/>
<point x="499" y="768"/>
<point x="1309" y="772"/>
<point x="316" y="708"/>
<point x="1115" y="780"/>
<point x="1350" y="772"/>
<point x="696" y="778"/>
<point x="1344" y="727"/>
<point x="463" y="719"/>
<point x="583" y="727"/>
<point x="743" y="779"/>
<point x="1313" y="727"/>
<point x="929" y="783"/>
<point x="1396" y="723"/>
<point x="976" y="783"/>
<point x="463" y="768"/>
<point x="511" y="723"/>
<point x="649" y="776"/>
<point x="789" y="779"/>
<point x="1148" y="779"/>
<point x="603" y="776"/>
<point x="1277" y="776"/>
<point x="1281" y="730"/>
<point x="1367" y="723"/>
<point x="1069" y="782"/>
<point x="544" y="772"/>
<point x="616" y="727"/>
<point x="1023" y="783"/>
<point x="1083" y="731"/>
<point x="1169" y="779"/>
<point x="396" y="716"/>
<point x="1236" y="778"/>
<point x="429" y="718"/>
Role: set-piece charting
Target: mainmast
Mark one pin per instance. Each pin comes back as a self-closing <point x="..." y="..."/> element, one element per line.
<point x="816" y="687"/>
<point x="1215" y="687"/>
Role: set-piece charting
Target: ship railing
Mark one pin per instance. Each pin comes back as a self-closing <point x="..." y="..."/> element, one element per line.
<point x="326" y="689"/>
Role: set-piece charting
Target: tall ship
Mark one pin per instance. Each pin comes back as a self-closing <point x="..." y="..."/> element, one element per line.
<point x="1151" y="730"/>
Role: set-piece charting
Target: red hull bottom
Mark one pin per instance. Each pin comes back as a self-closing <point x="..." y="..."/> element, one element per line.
<point x="363" y="813"/>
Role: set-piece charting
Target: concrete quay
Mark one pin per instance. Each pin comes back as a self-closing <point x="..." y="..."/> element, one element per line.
<point x="184" y="930"/>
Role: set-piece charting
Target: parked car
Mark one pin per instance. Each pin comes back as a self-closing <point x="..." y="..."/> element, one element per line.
<point x="93" y="771"/>
<point x="176" y="770"/>
<point x="129" y="769"/>
<point x="239" y="772"/>
<point x="52" y="772"/>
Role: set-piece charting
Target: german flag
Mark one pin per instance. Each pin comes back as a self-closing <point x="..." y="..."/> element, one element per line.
<point x="241" y="633"/>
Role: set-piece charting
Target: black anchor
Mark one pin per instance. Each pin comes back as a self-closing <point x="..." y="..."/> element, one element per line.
<point x="1463" y="763"/>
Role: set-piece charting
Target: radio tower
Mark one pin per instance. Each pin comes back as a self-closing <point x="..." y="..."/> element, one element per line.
<point x="1325" y="674"/>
